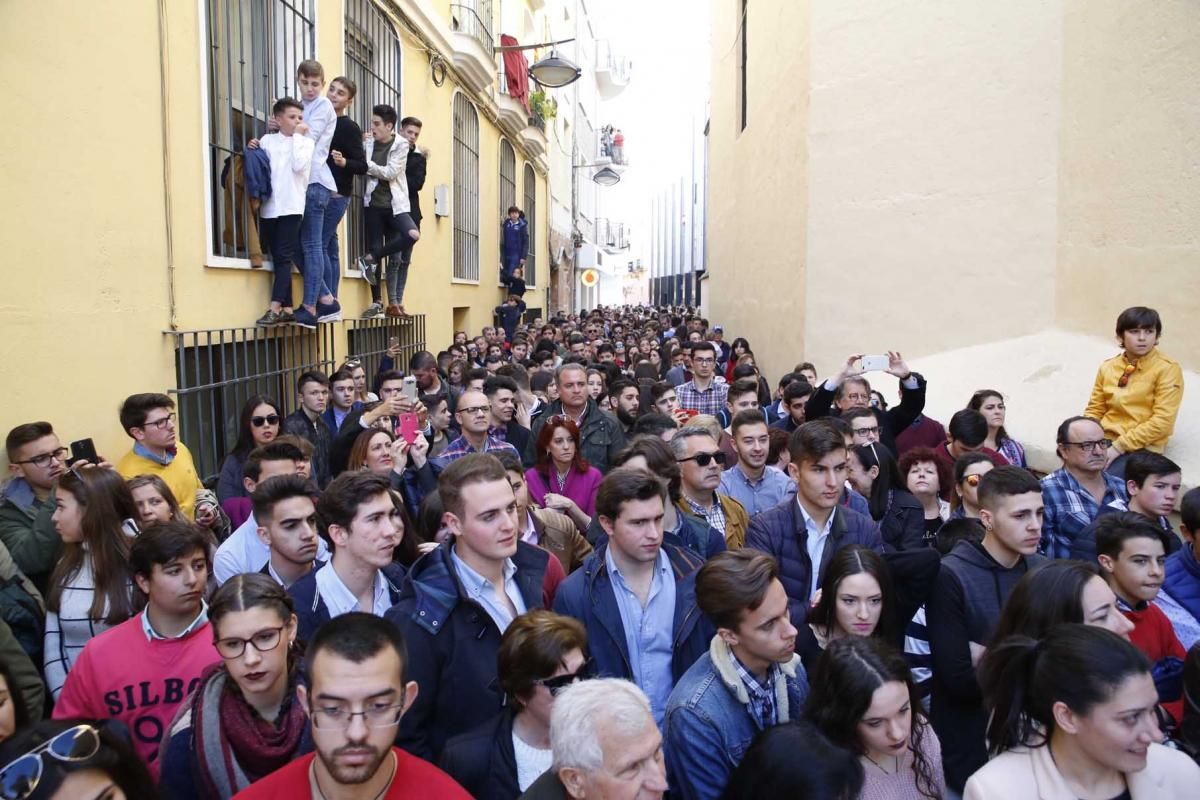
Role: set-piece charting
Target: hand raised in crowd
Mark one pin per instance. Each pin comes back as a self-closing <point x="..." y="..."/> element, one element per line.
<point x="522" y="416"/>
<point x="852" y="367"/>
<point x="897" y="366"/>
<point x="206" y="515"/>
<point x="419" y="451"/>
<point x="393" y="351"/>
<point x="399" y="453"/>
<point x="681" y="416"/>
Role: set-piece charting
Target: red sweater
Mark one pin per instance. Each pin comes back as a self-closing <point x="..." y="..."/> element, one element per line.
<point x="1153" y="635"/>
<point x="123" y="675"/>
<point x="415" y="780"/>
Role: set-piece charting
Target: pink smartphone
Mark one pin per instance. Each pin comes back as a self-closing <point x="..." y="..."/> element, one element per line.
<point x="409" y="428"/>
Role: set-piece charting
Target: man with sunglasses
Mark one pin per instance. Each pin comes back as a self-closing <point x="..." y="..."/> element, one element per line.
<point x="149" y="419"/>
<point x="474" y="417"/>
<point x="701" y="462"/>
<point x="36" y="460"/>
<point x="355" y="691"/>
<point x="1075" y="493"/>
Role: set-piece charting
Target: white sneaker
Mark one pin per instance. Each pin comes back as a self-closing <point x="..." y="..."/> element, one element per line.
<point x="374" y="311"/>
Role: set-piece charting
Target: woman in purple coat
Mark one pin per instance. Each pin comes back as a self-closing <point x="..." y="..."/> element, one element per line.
<point x="561" y="479"/>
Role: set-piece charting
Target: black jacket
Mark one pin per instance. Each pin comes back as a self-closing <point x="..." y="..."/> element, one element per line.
<point x="414" y="173"/>
<point x="452" y="645"/>
<point x="347" y="140"/>
<point x="891" y="422"/>
<point x="483" y="761"/>
<point x="969" y="592"/>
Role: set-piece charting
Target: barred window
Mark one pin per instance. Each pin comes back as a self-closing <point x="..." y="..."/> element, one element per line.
<point x="530" y="181"/>
<point x="373" y="62"/>
<point x="466" y="189"/>
<point x="254" y="47"/>
<point x="508" y="178"/>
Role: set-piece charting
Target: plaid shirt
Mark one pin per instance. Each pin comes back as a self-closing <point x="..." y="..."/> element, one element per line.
<point x="709" y="401"/>
<point x="762" y="695"/>
<point x="1069" y="509"/>
<point x="714" y="514"/>
<point x="461" y="447"/>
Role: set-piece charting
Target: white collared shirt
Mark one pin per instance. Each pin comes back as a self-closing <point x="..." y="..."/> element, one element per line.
<point x="815" y="541"/>
<point x="530" y="534"/>
<point x="340" y="600"/>
<point x="483" y="591"/>
<point x="152" y="634"/>
<point x="243" y="551"/>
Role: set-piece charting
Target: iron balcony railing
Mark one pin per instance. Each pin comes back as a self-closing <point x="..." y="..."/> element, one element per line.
<point x="218" y="370"/>
<point x="536" y="120"/>
<point x="474" y="19"/>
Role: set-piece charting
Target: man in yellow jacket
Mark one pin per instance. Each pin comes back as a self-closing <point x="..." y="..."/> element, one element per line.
<point x="1137" y="394"/>
<point x="149" y="419"/>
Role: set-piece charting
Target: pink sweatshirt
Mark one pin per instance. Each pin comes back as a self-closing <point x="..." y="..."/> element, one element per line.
<point x="123" y="675"/>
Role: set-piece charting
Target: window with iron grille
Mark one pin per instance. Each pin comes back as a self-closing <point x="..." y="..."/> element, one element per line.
<point x="530" y="181"/>
<point x="373" y="62"/>
<point x="466" y="189"/>
<point x="254" y="47"/>
<point x="508" y="181"/>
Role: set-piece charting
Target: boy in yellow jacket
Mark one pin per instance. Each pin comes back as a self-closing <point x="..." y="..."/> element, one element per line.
<point x="1137" y="394"/>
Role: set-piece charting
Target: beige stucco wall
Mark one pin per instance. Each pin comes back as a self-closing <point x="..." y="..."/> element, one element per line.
<point x="757" y="198"/>
<point x="932" y="177"/>
<point x="1129" y="174"/>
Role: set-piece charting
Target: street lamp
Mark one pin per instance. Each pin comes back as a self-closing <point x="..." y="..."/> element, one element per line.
<point x="553" y="71"/>
<point x="605" y="176"/>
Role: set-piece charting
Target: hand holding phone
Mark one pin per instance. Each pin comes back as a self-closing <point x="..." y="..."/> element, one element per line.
<point x="409" y="429"/>
<point x="409" y="388"/>
<point x="84" y="450"/>
<point x="874" y="363"/>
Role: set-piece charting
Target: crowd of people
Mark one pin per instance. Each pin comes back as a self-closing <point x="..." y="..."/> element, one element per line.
<point x="601" y="555"/>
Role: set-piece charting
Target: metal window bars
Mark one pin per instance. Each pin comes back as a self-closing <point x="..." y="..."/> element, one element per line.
<point x="373" y="61"/>
<point x="254" y="47"/>
<point x="466" y="189"/>
<point x="530" y="205"/>
<point x="218" y="370"/>
<point x="508" y="181"/>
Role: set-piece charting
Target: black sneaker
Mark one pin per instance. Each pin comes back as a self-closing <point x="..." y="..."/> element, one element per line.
<point x="305" y="319"/>
<point x="269" y="319"/>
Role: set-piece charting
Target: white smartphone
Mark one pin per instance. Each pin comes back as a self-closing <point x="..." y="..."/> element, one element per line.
<point x="874" y="363"/>
<point x="409" y="387"/>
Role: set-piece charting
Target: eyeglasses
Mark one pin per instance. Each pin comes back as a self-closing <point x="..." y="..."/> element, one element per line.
<point x="269" y="419"/>
<point x="972" y="480"/>
<point x="475" y="410"/>
<point x="264" y="641"/>
<point x="556" y="684"/>
<point x="42" y="460"/>
<point x="698" y="360"/>
<point x="159" y="423"/>
<point x="704" y="459"/>
<point x="866" y="431"/>
<point x="338" y="718"/>
<point x="1126" y="375"/>
<point x="19" y="779"/>
<point x="1099" y="444"/>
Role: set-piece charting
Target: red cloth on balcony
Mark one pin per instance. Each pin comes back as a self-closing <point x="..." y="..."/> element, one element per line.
<point x="516" y="71"/>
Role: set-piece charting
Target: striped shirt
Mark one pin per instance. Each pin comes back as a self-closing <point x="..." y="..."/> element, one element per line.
<point x="71" y="627"/>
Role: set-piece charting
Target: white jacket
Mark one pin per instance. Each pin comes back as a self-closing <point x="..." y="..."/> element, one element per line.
<point x="394" y="172"/>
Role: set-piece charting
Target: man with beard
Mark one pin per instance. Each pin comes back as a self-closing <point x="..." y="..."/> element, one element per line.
<point x="355" y="694"/>
<point x="626" y="402"/>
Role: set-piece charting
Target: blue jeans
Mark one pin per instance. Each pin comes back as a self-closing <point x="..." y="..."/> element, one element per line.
<point x="333" y="216"/>
<point x="312" y="242"/>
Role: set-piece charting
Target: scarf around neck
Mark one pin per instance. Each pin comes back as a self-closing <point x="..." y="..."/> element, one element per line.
<point x="234" y="746"/>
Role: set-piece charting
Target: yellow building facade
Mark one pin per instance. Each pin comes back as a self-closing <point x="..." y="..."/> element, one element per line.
<point x="981" y="186"/>
<point x="115" y="234"/>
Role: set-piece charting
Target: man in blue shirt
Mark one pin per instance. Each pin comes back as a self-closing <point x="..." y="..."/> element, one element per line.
<point x="636" y="595"/>
<point x="751" y="482"/>
<point x="1075" y="493"/>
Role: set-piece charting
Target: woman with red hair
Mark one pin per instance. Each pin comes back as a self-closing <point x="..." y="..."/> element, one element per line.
<point x="562" y="480"/>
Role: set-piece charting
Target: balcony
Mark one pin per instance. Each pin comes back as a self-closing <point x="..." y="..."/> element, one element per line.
<point x="471" y="37"/>
<point x="610" y="147"/>
<point x="533" y="135"/>
<point x="512" y="114"/>
<point x="612" y="71"/>
<point x="613" y="237"/>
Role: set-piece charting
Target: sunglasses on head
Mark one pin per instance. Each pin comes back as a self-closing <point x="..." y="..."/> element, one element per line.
<point x="19" y="779"/>
<point x="269" y="419"/>
<point x="704" y="459"/>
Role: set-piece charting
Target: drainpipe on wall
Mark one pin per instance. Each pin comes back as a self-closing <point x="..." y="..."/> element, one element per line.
<point x="166" y="163"/>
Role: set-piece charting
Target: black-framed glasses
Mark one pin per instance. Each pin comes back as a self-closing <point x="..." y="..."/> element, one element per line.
<point x="19" y="778"/>
<point x="559" y="682"/>
<point x="42" y="460"/>
<point x="704" y="459"/>
<point x="269" y="419"/>
<point x="264" y="641"/>
<point x="1099" y="444"/>
<point x="375" y="715"/>
<point x="866" y="431"/>
<point x="475" y="410"/>
<point x="159" y="423"/>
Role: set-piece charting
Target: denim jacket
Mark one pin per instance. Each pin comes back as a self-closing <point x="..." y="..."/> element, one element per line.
<point x="708" y="727"/>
